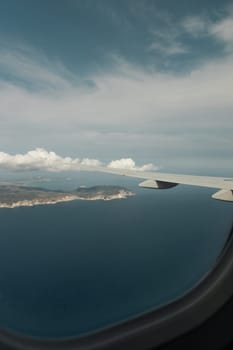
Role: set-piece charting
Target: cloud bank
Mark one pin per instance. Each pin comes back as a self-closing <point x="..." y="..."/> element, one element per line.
<point x="41" y="159"/>
<point x="182" y="117"/>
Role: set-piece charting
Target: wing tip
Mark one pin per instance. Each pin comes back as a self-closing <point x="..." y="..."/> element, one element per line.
<point x="224" y="195"/>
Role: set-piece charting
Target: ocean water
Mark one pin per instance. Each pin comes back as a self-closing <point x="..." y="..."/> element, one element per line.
<point x="75" y="267"/>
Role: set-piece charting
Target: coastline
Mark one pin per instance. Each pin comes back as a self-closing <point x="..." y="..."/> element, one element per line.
<point x="65" y="198"/>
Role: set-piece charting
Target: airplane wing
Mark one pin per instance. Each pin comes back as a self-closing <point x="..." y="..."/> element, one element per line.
<point x="164" y="180"/>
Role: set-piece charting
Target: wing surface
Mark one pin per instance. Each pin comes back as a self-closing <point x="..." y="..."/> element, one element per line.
<point x="165" y="180"/>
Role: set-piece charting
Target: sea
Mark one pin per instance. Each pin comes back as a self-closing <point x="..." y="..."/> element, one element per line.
<point x="76" y="267"/>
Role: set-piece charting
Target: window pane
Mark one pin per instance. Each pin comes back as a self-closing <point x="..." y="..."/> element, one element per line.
<point x="141" y="86"/>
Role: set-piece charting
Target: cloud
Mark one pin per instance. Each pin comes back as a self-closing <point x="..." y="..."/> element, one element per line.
<point x="128" y="111"/>
<point x="169" y="48"/>
<point x="128" y="163"/>
<point x="217" y="26"/>
<point x="25" y="65"/>
<point x="203" y="26"/>
<point x="196" y="25"/>
<point x="167" y="43"/>
<point x="41" y="159"/>
<point x="223" y="31"/>
<point x="127" y="97"/>
<point x="38" y="159"/>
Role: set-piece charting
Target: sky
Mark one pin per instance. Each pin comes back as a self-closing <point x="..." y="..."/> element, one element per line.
<point x="149" y="82"/>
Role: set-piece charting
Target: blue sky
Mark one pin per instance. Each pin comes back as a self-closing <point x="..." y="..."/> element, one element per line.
<point x="148" y="80"/>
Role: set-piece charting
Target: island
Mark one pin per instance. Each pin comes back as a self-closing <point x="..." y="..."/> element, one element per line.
<point x="13" y="196"/>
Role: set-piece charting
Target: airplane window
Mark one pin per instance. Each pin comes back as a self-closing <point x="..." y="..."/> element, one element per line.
<point x="91" y="91"/>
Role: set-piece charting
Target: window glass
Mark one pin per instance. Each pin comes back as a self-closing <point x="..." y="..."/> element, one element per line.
<point x="85" y="86"/>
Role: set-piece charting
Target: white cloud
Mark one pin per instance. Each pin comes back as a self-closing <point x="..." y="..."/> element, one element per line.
<point x="196" y="25"/>
<point x="25" y="64"/>
<point x="223" y="30"/>
<point x="128" y="163"/>
<point x="38" y="159"/>
<point x="41" y="159"/>
<point x="167" y="43"/>
<point x="170" y="48"/>
<point x="128" y="97"/>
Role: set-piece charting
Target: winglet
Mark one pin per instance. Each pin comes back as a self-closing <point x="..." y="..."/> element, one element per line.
<point x="224" y="195"/>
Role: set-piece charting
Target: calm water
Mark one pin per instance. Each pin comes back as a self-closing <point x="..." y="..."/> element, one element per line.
<point x="78" y="266"/>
